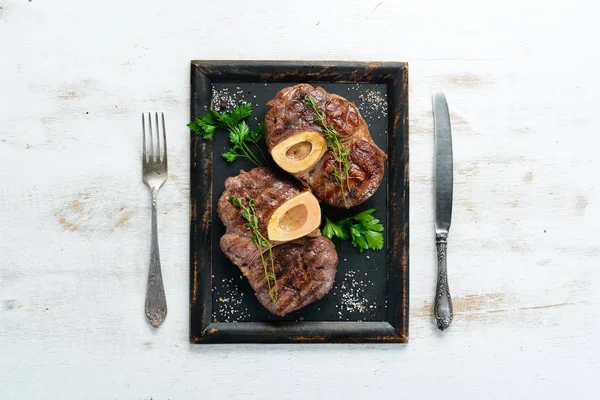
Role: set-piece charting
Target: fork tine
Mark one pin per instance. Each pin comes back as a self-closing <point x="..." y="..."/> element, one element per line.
<point x="144" y="139"/>
<point x="158" y="151"/>
<point x="151" y="138"/>
<point x="164" y="130"/>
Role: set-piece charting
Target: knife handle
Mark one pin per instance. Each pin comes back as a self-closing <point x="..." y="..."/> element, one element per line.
<point x="443" y="301"/>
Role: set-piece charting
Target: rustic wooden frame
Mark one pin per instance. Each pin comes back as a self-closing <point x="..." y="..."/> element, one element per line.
<point x="395" y="329"/>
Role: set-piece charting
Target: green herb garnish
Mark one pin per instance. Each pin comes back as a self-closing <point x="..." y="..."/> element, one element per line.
<point x="340" y="175"/>
<point x="240" y="135"/>
<point x="249" y="214"/>
<point x="363" y="229"/>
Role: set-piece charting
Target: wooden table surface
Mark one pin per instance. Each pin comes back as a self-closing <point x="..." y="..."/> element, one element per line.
<point x="521" y="78"/>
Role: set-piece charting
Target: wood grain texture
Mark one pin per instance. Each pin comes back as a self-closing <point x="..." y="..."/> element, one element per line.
<point x="523" y="88"/>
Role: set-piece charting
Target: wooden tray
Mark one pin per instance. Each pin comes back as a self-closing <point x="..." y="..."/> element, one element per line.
<point x="369" y="301"/>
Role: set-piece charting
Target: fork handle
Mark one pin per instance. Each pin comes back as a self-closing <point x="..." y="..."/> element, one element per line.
<point x="156" y="302"/>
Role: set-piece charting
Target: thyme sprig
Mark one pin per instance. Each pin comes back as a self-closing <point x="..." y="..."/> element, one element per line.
<point x="340" y="175"/>
<point x="249" y="214"/>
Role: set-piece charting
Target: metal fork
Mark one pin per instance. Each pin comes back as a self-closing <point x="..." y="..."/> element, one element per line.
<point x="154" y="174"/>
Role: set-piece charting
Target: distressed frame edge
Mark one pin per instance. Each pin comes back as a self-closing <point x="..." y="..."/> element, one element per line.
<point x="200" y="278"/>
<point x="395" y="75"/>
<point x="300" y="332"/>
<point x="398" y="218"/>
<point x="300" y="71"/>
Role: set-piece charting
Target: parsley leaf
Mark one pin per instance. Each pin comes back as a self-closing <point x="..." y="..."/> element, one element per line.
<point x="331" y="230"/>
<point x="241" y="112"/>
<point x="211" y="117"/>
<point x="242" y="131"/>
<point x="205" y="125"/>
<point x="374" y="240"/>
<point x="328" y="230"/>
<point x="240" y="135"/>
<point x="226" y="120"/>
<point x="257" y="134"/>
<point x="373" y="225"/>
<point x="230" y="155"/>
<point x="363" y="230"/>
<point x="360" y="243"/>
<point x="365" y="215"/>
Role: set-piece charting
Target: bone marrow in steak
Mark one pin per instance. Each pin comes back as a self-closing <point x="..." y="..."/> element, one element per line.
<point x="297" y="145"/>
<point x="285" y="210"/>
<point x="304" y="265"/>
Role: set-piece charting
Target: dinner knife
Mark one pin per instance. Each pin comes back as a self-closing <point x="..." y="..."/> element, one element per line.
<point x="443" y="183"/>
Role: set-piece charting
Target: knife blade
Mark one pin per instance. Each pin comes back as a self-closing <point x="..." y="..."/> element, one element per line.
<point x="443" y="183"/>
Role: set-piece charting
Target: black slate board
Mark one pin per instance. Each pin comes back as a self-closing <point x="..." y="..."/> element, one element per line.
<point x="369" y="301"/>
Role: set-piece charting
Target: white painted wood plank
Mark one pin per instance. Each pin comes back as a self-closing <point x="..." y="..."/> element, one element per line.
<point x="522" y="86"/>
